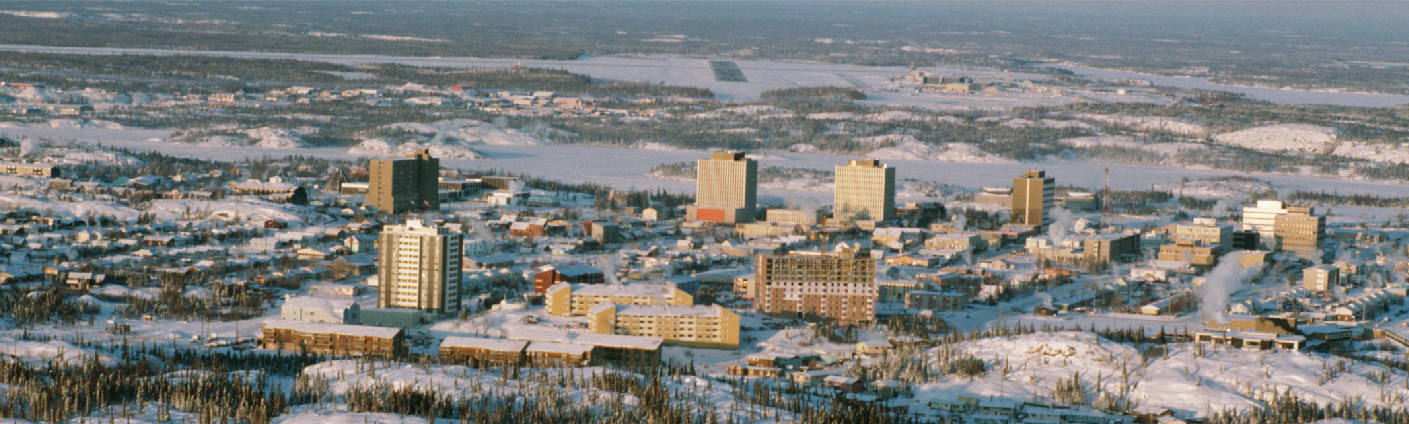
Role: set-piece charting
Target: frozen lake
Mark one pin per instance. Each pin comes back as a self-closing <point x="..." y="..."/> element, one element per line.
<point x="627" y="168"/>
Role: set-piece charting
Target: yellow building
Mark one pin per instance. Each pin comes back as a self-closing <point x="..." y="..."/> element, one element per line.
<point x="1033" y="198"/>
<point x="701" y="326"/>
<point x="1194" y="252"/>
<point x="565" y="299"/>
<point x="1299" y="232"/>
<point x="864" y="189"/>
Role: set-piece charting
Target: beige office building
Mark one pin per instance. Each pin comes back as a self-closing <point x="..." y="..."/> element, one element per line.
<point x="1320" y="278"/>
<point x="698" y="325"/>
<point x="405" y="184"/>
<point x="865" y="189"/>
<point x="1033" y="198"/>
<point x="1299" y="231"/>
<point x="840" y="285"/>
<point x="1206" y="231"/>
<point x="726" y="189"/>
<point x="419" y="268"/>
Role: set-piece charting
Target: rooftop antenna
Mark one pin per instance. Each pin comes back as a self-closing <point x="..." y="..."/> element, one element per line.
<point x="1105" y="199"/>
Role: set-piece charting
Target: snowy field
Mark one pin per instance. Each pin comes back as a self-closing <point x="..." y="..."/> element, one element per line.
<point x="1269" y="94"/>
<point x="681" y="71"/>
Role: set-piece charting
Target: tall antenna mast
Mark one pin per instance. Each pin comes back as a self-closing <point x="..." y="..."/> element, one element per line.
<point x="1105" y="198"/>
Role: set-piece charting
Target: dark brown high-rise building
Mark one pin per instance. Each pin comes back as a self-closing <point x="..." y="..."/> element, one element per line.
<point x="405" y="184"/>
<point x="1032" y="198"/>
<point x="839" y="286"/>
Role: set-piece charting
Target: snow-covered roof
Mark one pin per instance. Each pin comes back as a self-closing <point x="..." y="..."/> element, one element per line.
<point x="311" y="302"/>
<point x="636" y="289"/>
<point x="556" y="347"/>
<point x="501" y="345"/>
<point x="343" y="329"/>
<point x="541" y="334"/>
<point x="690" y="310"/>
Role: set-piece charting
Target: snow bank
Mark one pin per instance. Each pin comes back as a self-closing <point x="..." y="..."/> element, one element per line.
<point x="1234" y="379"/>
<point x="1218" y="188"/>
<point x="1379" y="152"/>
<point x="1035" y="363"/>
<point x="333" y="417"/>
<point x="953" y="152"/>
<point x="450" y="139"/>
<point x="41" y="353"/>
<point x="1148" y="123"/>
<point x="35" y="14"/>
<point x="1281" y="138"/>
<point x="241" y="208"/>
<point x="70" y="209"/>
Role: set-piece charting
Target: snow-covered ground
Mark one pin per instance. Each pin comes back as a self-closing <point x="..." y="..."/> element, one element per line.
<point x="1027" y="367"/>
<point x="1281" y="138"/>
<point x="761" y="75"/>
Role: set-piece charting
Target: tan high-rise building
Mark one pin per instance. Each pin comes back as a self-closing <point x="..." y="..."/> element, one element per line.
<point x="405" y="184"/>
<point x="1299" y="231"/>
<point x="1032" y="198"/>
<point x="419" y="268"/>
<point x="726" y="189"/>
<point x="840" y="286"/>
<point x="865" y="189"/>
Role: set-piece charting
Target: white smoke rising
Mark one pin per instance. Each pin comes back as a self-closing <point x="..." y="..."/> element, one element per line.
<point x="1061" y="224"/>
<point x="1220" y="283"/>
<point x="1046" y="299"/>
<point x="961" y="222"/>
<point x="609" y="264"/>
<point x="27" y="147"/>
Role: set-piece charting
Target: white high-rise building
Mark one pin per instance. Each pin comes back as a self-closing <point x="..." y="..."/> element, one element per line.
<point x="419" y="268"/>
<point x="865" y="189"/>
<point x="1263" y="218"/>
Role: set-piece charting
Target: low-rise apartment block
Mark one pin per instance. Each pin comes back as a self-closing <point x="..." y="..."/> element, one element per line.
<point x="702" y="326"/>
<point x="564" y="299"/>
<point x="332" y="339"/>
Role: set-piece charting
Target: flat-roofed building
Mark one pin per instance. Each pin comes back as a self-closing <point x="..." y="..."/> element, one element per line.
<point x="1192" y="251"/>
<point x="864" y="189"/>
<point x="332" y="339"/>
<point x="564" y="299"/>
<point x="318" y="309"/>
<point x="480" y="350"/>
<point x="839" y="286"/>
<point x="1205" y="230"/>
<point x="790" y="217"/>
<point x="1033" y="198"/>
<point x="557" y="354"/>
<point x="29" y="169"/>
<point x="419" y="267"/>
<point x="1320" y="278"/>
<point x="726" y="189"/>
<point x="695" y="325"/>
<point x="572" y="274"/>
<point x="605" y="348"/>
<point x="405" y="184"/>
<point x="1299" y="232"/>
<point x="275" y="190"/>
<point x="1262" y="218"/>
